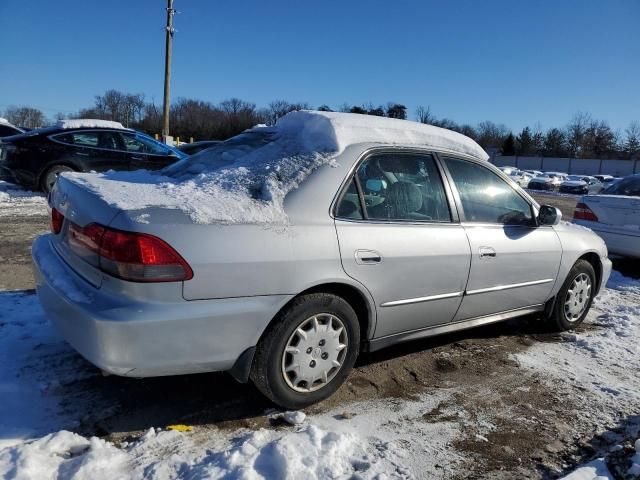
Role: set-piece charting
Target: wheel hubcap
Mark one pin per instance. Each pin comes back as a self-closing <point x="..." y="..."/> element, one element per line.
<point x="577" y="297"/>
<point x="314" y="352"/>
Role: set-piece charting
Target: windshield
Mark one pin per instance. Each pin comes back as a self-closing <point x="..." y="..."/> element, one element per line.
<point x="629" y="186"/>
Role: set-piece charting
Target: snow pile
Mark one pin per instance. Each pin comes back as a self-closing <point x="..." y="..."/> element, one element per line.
<point x="308" y="453"/>
<point x="14" y="200"/>
<point x="246" y="178"/>
<point x="64" y="455"/>
<point x="89" y="123"/>
<point x="594" y="470"/>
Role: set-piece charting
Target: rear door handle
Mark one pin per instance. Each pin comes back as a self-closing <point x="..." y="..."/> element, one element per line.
<point x="132" y="157"/>
<point x="487" y="252"/>
<point x="82" y="154"/>
<point x="367" y="257"/>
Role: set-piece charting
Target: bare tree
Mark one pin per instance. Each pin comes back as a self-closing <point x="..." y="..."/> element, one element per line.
<point x="575" y="132"/>
<point x="424" y="115"/>
<point x="25" y="117"/>
<point x="632" y="140"/>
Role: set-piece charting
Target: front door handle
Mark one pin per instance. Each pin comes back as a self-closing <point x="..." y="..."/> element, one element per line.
<point x="368" y="257"/>
<point x="487" y="252"/>
<point x="133" y="157"/>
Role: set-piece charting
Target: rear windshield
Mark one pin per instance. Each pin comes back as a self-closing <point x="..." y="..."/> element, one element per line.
<point x="629" y="186"/>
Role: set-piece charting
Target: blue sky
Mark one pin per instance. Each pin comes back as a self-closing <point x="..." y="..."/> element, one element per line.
<point x="514" y="62"/>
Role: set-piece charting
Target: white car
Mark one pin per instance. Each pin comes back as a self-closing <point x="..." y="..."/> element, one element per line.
<point x="614" y="215"/>
<point x="521" y="178"/>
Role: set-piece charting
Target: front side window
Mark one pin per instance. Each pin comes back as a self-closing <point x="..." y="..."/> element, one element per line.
<point x="402" y="187"/>
<point x="485" y="197"/>
<point x="141" y="144"/>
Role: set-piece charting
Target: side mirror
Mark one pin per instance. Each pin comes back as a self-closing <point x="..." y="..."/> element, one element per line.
<point x="549" y="215"/>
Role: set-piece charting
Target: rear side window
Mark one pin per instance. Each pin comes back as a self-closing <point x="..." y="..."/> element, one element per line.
<point x="98" y="139"/>
<point x="485" y="197"/>
<point x="349" y="206"/>
<point x="403" y="187"/>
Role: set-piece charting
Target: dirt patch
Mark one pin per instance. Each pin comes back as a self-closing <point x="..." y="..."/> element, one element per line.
<point x="16" y="236"/>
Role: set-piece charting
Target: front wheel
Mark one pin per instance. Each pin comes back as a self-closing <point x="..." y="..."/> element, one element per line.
<point x="308" y="351"/>
<point x="575" y="297"/>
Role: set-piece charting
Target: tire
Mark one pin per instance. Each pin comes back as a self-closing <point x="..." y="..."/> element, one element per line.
<point x="49" y="177"/>
<point x="336" y="324"/>
<point x="574" y="298"/>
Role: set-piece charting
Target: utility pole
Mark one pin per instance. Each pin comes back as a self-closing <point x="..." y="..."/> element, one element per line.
<point x="167" y="70"/>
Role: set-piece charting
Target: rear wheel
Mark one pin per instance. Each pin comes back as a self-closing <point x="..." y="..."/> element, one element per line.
<point x="50" y="177"/>
<point x="308" y="351"/>
<point x="575" y="297"/>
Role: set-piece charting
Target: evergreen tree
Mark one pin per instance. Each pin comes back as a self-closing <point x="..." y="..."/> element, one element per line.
<point x="524" y="142"/>
<point x="508" y="146"/>
<point x="396" y="110"/>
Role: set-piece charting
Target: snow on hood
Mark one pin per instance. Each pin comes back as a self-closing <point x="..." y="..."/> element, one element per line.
<point x="89" y="123"/>
<point x="246" y="178"/>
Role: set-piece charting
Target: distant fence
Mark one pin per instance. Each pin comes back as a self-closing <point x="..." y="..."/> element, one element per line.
<point x="578" y="166"/>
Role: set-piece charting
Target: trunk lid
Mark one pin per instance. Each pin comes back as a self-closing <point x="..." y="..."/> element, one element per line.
<point x="618" y="210"/>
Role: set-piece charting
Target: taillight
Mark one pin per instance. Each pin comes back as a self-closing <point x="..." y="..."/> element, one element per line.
<point x="56" y="221"/>
<point x="583" y="212"/>
<point x="137" y="257"/>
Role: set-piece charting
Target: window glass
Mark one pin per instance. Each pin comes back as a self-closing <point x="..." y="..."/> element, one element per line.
<point x="141" y="144"/>
<point x="403" y="187"/>
<point x="349" y="206"/>
<point x="627" y="186"/>
<point x="486" y="197"/>
<point x="6" y="131"/>
<point x="98" y="139"/>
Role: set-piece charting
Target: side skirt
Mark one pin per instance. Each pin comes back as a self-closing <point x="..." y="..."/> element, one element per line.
<point x="382" y="342"/>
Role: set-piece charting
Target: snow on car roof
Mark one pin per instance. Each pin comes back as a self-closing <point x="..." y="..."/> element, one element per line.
<point x="89" y="123"/>
<point x="3" y="120"/>
<point x="246" y="178"/>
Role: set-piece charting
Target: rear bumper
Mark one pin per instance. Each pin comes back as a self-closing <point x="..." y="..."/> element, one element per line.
<point x="620" y="241"/>
<point x="141" y="339"/>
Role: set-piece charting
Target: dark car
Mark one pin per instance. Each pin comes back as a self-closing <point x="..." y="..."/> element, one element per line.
<point x="35" y="159"/>
<point x="195" y="147"/>
<point x="7" y="130"/>
<point x="581" y="185"/>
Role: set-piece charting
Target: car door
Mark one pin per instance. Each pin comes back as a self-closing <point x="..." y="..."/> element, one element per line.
<point x="399" y="238"/>
<point x="98" y="150"/>
<point x="514" y="262"/>
<point x="145" y="152"/>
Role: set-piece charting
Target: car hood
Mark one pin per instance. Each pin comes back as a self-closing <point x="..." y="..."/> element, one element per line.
<point x="573" y="183"/>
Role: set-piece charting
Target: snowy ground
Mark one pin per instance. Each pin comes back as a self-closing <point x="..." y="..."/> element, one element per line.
<point x="16" y="201"/>
<point x="45" y="397"/>
<point x="499" y="402"/>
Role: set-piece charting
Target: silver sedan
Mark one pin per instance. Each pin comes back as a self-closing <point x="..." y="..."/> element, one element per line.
<point x="405" y="231"/>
